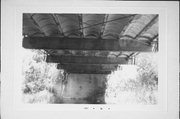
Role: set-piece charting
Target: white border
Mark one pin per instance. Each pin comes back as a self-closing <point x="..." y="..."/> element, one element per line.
<point x="14" y="58"/>
<point x="114" y="10"/>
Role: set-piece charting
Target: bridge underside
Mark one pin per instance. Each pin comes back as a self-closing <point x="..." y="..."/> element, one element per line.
<point x="89" y="47"/>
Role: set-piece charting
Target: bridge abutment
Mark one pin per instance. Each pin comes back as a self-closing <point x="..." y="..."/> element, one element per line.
<point x="83" y="89"/>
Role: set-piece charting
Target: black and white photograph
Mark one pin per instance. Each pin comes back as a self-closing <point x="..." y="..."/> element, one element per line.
<point x="90" y="58"/>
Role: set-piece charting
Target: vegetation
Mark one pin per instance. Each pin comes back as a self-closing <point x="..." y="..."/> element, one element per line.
<point x="134" y="84"/>
<point x="39" y="77"/>
<point x="130" y="84"/>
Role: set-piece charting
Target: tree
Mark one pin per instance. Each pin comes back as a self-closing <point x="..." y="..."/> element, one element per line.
<point x="147" y="68"/>
<point x="36" y="72"/>
<point x="137" y="84"/>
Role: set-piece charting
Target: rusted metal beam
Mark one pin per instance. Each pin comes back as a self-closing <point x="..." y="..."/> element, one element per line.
<point x="85" y="60"/>
<point x="85" y="44"/>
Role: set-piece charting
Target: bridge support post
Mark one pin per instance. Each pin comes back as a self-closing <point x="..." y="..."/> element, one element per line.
<point x="85" y="89"/>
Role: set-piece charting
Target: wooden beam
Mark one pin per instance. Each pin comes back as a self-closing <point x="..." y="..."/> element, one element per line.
<point x="89" y="72"/>
<point x="85" y="44"/>
<point x="87" y="67"/>
<point x="85" y="60"/>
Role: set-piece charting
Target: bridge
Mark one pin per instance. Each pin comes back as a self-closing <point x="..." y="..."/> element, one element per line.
<point x="88" y="47"/>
